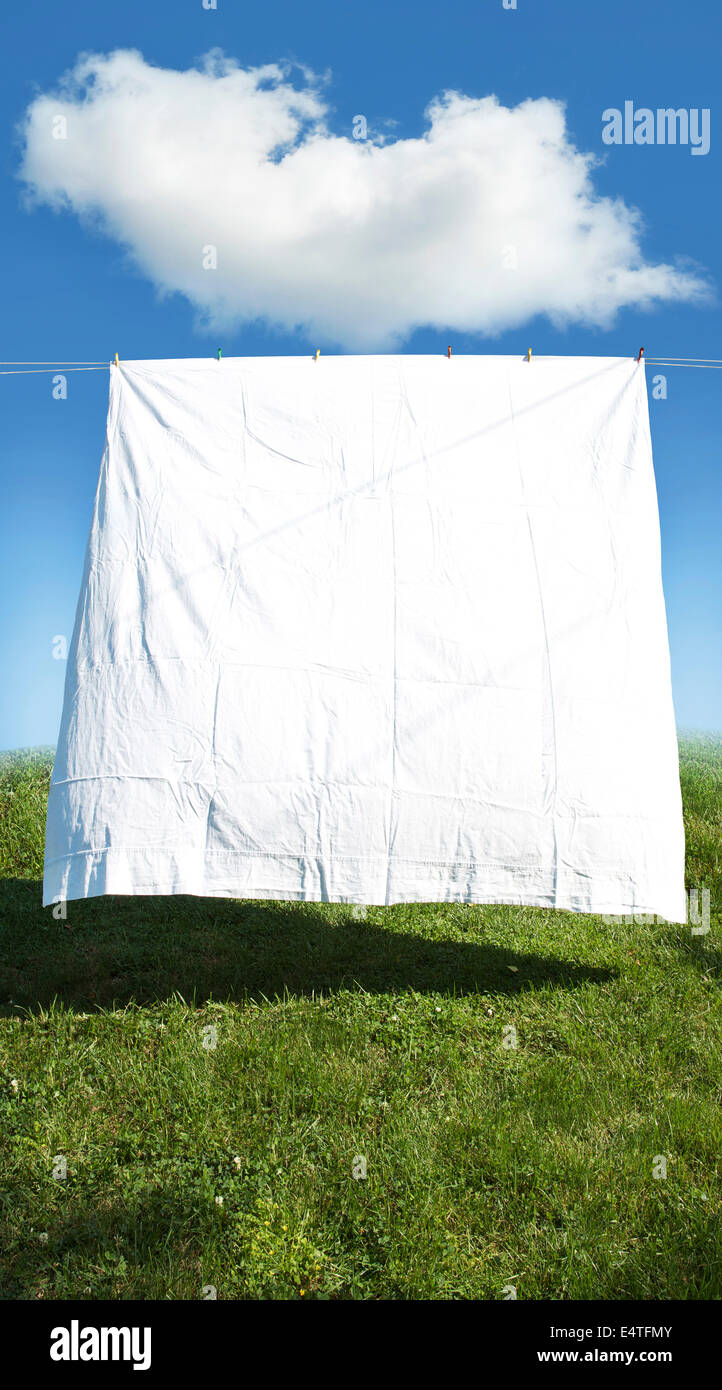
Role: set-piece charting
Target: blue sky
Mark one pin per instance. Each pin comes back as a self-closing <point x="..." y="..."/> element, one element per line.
<point x="70" y="293"/>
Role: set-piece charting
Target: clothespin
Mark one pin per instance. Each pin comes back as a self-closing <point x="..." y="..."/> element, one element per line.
<point x="448" y="352"/>
<point x="116" y="359"/>
<point x="641" y="354"/>
<point x="528" y="355"/>
<point x="219" y="354"/>
<point x="318" y="354"/>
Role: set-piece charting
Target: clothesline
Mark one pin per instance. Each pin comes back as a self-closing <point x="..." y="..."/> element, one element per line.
<point x="35" y="371"/>
<point x="39" y="368"/>
<point x="81" y="362"/>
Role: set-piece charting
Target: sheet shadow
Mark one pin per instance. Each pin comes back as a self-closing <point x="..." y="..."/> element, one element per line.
<point x="113" y="950"/>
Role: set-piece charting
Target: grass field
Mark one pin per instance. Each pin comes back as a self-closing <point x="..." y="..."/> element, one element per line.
<point x="339" y="1042"/>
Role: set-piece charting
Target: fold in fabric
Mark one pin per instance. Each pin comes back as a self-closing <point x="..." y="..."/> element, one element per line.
<point x="373" y="630"/>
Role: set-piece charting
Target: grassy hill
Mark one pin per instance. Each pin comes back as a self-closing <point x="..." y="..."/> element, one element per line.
<point x="213" y="1078"/>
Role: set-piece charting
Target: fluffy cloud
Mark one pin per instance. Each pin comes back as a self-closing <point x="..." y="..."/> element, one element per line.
<point x="488" y="218"/>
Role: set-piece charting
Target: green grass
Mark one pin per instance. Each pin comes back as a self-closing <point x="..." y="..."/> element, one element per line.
<point x="339" y="1038"/>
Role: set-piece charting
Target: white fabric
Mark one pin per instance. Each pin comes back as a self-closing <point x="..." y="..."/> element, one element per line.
<point x="373" y="629"/>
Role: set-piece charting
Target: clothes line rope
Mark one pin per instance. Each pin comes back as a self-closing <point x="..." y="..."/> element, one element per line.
<point x="38" y="368"/>
<point x="81" y="362"/>
<point x="39" y="371"/>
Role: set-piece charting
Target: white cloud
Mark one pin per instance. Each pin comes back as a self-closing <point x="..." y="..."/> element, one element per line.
<point x="356" y="243"/>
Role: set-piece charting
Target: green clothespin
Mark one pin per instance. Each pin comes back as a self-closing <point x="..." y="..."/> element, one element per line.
<point x="219" y="354"/>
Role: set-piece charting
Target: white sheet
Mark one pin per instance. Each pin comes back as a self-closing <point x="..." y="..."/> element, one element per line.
<point x="376" y="630"/>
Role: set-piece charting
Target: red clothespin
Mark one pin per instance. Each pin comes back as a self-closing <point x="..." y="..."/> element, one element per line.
<point x="641" y="354"/>
<point x="448" y="352"/>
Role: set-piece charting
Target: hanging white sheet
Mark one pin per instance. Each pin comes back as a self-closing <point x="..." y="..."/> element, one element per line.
<point x="373" y="629"/>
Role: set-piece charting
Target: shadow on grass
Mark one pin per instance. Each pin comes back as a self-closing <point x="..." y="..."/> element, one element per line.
<point x="107" y="1241"/>
<point x="114" y="950"/>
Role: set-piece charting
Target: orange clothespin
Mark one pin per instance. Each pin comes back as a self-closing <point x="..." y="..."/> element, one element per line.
<point x="448" y="352"/>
